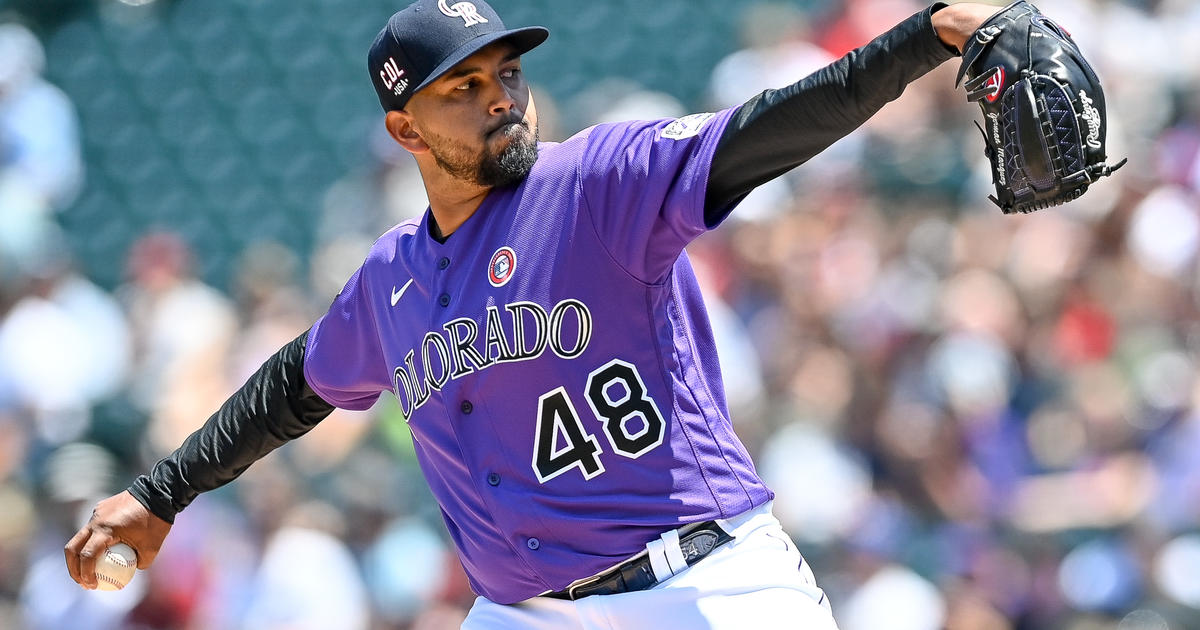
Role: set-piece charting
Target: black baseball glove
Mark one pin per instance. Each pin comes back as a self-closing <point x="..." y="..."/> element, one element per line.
<point x="1043" y="109"/>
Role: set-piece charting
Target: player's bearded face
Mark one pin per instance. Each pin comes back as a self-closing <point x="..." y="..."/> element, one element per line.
<point x="507" y="153"/>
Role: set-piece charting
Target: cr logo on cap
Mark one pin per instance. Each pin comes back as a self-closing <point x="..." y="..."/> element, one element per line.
<point x="464" y="10"/>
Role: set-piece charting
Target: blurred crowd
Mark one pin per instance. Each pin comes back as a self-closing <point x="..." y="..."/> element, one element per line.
<point x="972" y="421"/>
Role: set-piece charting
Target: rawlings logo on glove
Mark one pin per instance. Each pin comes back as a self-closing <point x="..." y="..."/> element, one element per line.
<point x="1091" y="115"/>
<point x="1047" y="134"/>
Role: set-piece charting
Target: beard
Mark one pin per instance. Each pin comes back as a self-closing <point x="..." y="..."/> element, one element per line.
<point x="486" y="167"/>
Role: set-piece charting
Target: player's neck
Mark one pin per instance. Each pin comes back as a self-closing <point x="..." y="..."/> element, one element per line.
<point x="453" y="210"/>
<point x="453" y="205"/>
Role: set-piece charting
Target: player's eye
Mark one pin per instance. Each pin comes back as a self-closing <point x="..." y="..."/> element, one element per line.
<point x="466" y="86"/>
<point x="510" y="73"/>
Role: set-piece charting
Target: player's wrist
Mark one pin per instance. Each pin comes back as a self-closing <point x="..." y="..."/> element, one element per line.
<point x="956" y="23"/>
<point x="143" y="490"/>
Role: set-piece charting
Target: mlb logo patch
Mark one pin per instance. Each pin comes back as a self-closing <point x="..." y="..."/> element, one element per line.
<point x="686" y="127"/>
<point x="500" y="269"/>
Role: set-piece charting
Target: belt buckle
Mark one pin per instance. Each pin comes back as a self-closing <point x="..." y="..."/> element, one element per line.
<point x="585" y="582"/>
<point x="593" y="580"/>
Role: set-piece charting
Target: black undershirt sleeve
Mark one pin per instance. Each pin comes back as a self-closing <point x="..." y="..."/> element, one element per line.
<point x="779" y="130"/>
<point x="274" y="406"/>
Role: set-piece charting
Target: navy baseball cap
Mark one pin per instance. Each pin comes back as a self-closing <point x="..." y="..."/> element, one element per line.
<point x="423" y="41"/>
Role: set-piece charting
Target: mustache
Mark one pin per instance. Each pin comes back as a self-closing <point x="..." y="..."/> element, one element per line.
<point x="511" y="120"/>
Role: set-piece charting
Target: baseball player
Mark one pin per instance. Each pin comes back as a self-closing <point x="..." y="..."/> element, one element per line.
<point x="544" y="334"/>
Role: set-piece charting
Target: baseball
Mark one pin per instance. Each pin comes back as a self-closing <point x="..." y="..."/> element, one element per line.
<point x="115" y="568"/>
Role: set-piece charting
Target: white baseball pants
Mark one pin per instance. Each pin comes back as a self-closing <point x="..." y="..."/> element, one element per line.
<point x="757" y="581"/>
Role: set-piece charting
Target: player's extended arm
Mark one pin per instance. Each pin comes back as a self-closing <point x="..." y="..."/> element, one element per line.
<point x="274" y="406"/>
<point x="779" y="130"/>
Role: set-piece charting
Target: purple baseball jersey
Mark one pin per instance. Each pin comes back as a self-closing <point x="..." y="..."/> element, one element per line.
<point x="553" y="359"/>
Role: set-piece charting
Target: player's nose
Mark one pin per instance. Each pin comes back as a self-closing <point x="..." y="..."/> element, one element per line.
<point x="505" y="100"/>
<point x="503" y="106"/>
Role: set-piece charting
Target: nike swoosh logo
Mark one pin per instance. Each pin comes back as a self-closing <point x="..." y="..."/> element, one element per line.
<point x="396" y="294"/>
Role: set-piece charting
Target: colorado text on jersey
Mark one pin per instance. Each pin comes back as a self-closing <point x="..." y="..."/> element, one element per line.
<point x="452" y="352"/>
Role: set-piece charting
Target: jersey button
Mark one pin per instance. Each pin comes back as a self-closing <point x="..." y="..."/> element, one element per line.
<point x="467" y="407"/>
<point x="493" y="479"/>
<point x="443" y="263"/>
<point x="533" y="543"/>
<point x="444" y="299"/>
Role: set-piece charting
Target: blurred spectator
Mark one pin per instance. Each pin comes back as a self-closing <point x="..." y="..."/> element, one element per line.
<point x="776" y="51"/>
<point x="64" y="345"/>
<point x="618" y="99"/>
<point x="397" y="591"/>
<point x="41" y="169"/>
<point x="308" y="580"/>
<point x="894" y="597"/>
<point x="857" y="21"/>
<point x="184" y="331"/>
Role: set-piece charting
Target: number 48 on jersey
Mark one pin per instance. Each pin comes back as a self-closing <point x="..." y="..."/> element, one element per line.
<point x="617" y="396"/>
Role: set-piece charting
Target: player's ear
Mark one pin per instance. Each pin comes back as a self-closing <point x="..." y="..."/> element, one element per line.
<point x="400" y="127"/>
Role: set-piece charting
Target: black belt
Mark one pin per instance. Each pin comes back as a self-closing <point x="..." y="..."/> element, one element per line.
<point x="696" y="540"/>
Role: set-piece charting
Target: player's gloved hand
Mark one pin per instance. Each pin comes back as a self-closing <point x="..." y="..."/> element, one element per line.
<point x="1043" y="107"/>
<point x="117" y="519"/>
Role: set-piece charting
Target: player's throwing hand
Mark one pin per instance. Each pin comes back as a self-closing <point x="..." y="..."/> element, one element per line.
<point x="117" y="519"/>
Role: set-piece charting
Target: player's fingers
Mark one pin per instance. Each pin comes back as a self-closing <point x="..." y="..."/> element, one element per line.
<point x="71" y="551"/>
<point x="92" y="550"/>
